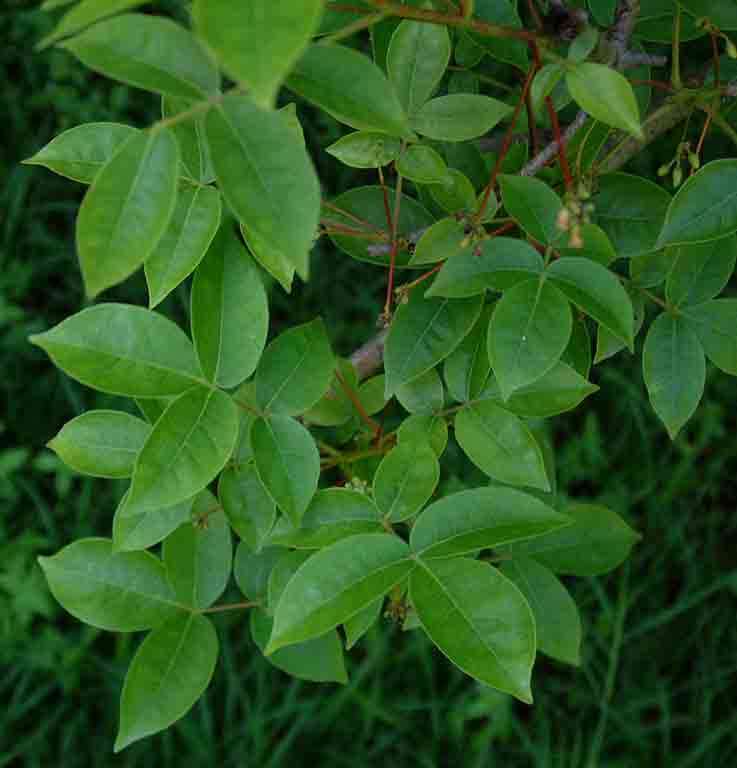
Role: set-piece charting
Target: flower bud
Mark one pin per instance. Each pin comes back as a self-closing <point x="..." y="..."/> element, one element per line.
<point x="664" y="169"/>
<point x="677" y="176"/>
<point x="694" y="160"/>
<point x="563" y="222"/>
<point x="731" y="49"/>
<point x="575" y="240"/>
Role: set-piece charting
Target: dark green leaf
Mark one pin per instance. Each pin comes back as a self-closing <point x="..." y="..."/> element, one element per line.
<point x="533" y="204"/>
<point x="715" y="323"/>
<point x="249" y="508"/>
<point x="467" y="368"/>
<point x="424" y="428"/>
<point x="700" y="272"/>
<point x="360" y="623"/>
<point x="405" y="480"/>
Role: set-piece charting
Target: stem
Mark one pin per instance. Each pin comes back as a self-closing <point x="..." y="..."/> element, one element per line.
<point x="715" y="56"/>
<point x="357" y="404"/>
<point x="409" y="286"/>
<point x="228" y="607"/>
<point x="350" y="29"/>
<point x="675" y="65"/>
<point x="395" y="244"/>
<point x="560" y="144"/>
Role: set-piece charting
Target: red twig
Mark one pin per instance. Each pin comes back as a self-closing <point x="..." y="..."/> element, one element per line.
<point x="562" y="157"/>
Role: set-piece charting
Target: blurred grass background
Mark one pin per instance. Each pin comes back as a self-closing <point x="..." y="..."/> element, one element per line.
<point x="658" y="680"/>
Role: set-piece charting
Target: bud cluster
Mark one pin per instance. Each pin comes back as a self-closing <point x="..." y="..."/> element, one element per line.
<point x="576" y="212"/>
<point x="684" y="153"/>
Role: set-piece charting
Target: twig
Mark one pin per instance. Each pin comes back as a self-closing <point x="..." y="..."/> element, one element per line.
<point x="633" y="59"/>
<point x="369" y="357"/>
<point x="537" y="163"/>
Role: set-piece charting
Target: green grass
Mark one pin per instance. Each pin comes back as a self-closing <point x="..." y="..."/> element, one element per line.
<point x="657" y="683"/>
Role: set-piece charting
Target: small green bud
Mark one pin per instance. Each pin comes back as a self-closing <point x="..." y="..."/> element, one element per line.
<point x="677" y="176"/>
<point x="694" y="160"/>
<point x="664" y="169"/>
<point x="731" y="49"/>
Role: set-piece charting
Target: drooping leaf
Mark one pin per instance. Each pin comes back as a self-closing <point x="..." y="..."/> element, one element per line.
<point x="247" y="505"/>
<point x="170" y="671"/>
<point x="674" y="368"/>
<point x="149" y="52"/>
<point x="533" y="204"/>
<point x="700" y="272"/>
<point x="501" y="445"/>
<point x="557" y="621"/>
<point x="127" y="209"/>
<point x="81" y="152"/>
<point x="482" y="518"/>
<point x="186" y="449"/>
<point x="288" y="463"/>
<point x="123" y="350"/>
<point x="479" y="620"/>
<point x="459" y="116"/>
<point x="237" y="34"/>
<point x="336" y="583"/>
<point x="191" y="230"/>
<point x="365" y="149"/>
<point x="405" y="480"/>
<point x="119" y="592"/>
<point x="715" y="323"/>
<point x="266" y="177"/>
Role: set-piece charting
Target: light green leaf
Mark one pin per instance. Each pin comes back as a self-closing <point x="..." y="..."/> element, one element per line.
<point x="84" y="14"/>
<point x="237" y="34"/>
<point x="170" y="671"/>
<point x="479" y="620"/>
<point x="674" y="368"/>
<point x="496" y="264"/>
<point x="336" y="583"/>
<point x="705" y="207"/>
<point x="196" y="163"/>
<point x="319" y="660"/>
<point x="546" y="79"/>
<point x="700" y="272"/>
<point x="439" y="242"/>
<point x="252" y="570"/>
<point x="360" y="623"/>
<point x="529" y="331"/>
<point x="422" y="164"/>
<point x="149" y="528"/>
<point x="455" y="193"/>
<point x="326" y="75"/>
<point x="423" y="394"/>
<point x="597" y="542"/>
<point x="365" y="149"/>
<point x="187" y="448"/>
<point x="482" y="518"/>
<point x="288" y="463"/>
<point x="296" y="370"/>
<point x="506" y="49"/>
<point x="185" y="241"/>
<point x="416" y="61"/>
<point x="276" y="263"/>
<point x="405" y="480"/>
<point x="459" y="116"/>
<point x="424" y="428"/>
<point x="247" y="505"/>
<point x="149" y="52"/>
<point x="631" y="210"/>
<point x="533" y="204"/>
<point x="557" y="621"/>
<point x="467" y="368"/>
<point x="152" y="408"/>
<point x="501" y="445"/>
<point x="266" y="177"/>
<point x="715" y="323"/>
<point x="424" y="332"/>
<point x="595" y="290"/>
<point x="81" y="152"/>
<point x="606" y="95"/>
<point x="229" y="313"/>
<point x="123" y="350"/>
<point x="101" y="443"/>
<point x="127" y="209"/>
<point x="119" y="592"/>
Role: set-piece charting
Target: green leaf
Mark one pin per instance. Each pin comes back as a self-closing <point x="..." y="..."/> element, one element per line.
<point x="319" y="660"/>
<point x="529" y="331"/>
<point x="606" y="95"/>
<point x="152" y="408"/>
<point x="101" y="443"/>
<point x="423" y="394"/>
<point x="700" y="272"/>
<point x="296" y="370"/>
<point x="336" y="583"/>
<point x="506" y="49"/>
<point x="238" y="33"/>
<point x="148" y="52"/>
<point x="479" y="620"/>
<point x="365" y="149"/>
<point x="185" y="241"/>
<point x="333" y="514"/>
<point x="405" y="480"/>
<point x="459" y="116"/>
<point x="656" y="22"/>
<point x="170" y="671"/>
<point x="119" y="592"/>
<point x="674" y="368"/>
<point x="360" y="623"/>
<point x="196" y="162"/>
<point x="326" y="75"/>
<point x="81" y="152"/>
<point x="335" y="408"/>
<point x="284" y="568"/>
<point x="187" y="448"/>
<point x="424" y="428"/>
<point x="578" y="352"/>
<point x="149" y="528"/>
<point x="416" y="61"/>
<point x="439" y="242"/>
<point x="229" y="313"/>
<point x="583" y="44"/>
<point x="84" y="14"/>
<point x="596" y="246"/>
<point x="705" y="207"/>
<point x="424" y="332"/>
<point x="276" y="263"/>
<point x="722" y="15"/>
<point x="608" y="345"/>
<point x="127" y="209"/>
<point x="247" y="505"/>
<point x="467" y="368"/>
<point x="455" y="193"/>
<point x="288" y="463"/>
<point x="597" y="542"/>
<point x="371" y="394"/>
<point x="482" y="518"/>
<point x="252" y="570"/>
<point x="501" y="445"/>
<point x="544" y="84"/>
<point x="497" y="264"/>
<point x="422" y="164"/>
<point x="533" y="204"/>
<point x="715" y="323"/>
<point x="596" y="291"/>
<point x="631" y="210"/>
<point x="123" y="350"/>
<point x="557" y="621"/>
<point x="267" y="178"/>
